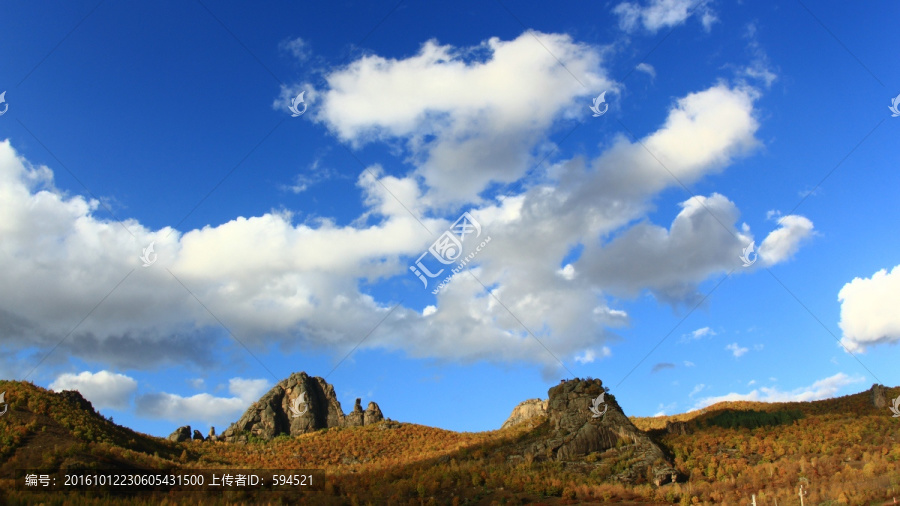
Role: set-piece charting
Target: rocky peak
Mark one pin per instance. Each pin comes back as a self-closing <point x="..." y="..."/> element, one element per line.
<point x="298" y="405"/>
<point x="577" y="431"/>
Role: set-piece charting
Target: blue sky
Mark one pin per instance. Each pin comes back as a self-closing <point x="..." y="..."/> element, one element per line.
<point x="285" y="243"/>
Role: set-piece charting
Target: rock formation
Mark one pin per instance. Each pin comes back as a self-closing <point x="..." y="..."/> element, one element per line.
<point x="372" y="414"/>
<point x="524" y="411"/>
<point x="181" y="434"/>
<point x="575" y="432"/>
<point x="297" y="405"/>
<point x="198" y="436"/>
<point x="879" y="400"/>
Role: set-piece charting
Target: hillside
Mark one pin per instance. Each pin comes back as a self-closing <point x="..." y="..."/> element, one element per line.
<point x="842" y="449"/>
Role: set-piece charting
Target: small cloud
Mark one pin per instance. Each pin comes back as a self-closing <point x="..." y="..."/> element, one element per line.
<point x="197" y="383"/>
<point x="662" y="365"/>
<point x="567" y="272"/>
<point x="688" y="363"/>
<point x="657" y="14"/>
<point x="429" y="310"/>
<point x="758" y="347"/>
<point x="297" y="47"/>
<point x="736" y="350"/>
<point x="697" y="389"/>
<point x="313" y="176"/>
<point x="590" y="355"/>
<point x="751" y="382"/>
<point x="698" y="334"/>
<point x="809" y="193"/>
<point x="647" y="69"/>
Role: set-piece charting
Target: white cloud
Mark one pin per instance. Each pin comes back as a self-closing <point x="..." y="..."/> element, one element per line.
<point x="297" y="47"/>
<point x="473" y="107"/>
<point x="736" y="350"/>
<point x="590" y="355"/>
<point x="697" y="389"/>
<point x="688" y="363"/>
<point x="299" y="285"/>
<point x="204" y="407"/>
<point x="647" y="69"/>
<point x="781" y="244"/>
<point x="658" y="14"/>
<point x="104" y="389"/>
<point x="869" y="310"/>
<point x="697" y="334"/>
<point x="821" y="389"/>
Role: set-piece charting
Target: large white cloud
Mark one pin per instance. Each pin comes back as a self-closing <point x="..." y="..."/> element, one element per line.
<point x="205" y="407"/>
<point x="821" y="389"/>
<point x="869" y="310"/>
<point x="271" y="281"/>
<point x="104" y="389"/>
<point x="486" y="107"/>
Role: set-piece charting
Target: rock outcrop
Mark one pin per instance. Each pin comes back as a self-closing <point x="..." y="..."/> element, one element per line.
<point x="298" y="405"/>
<point x="879" y="400"/>
<point x="525" y="411"/>
<point x="198" y="436"/>
<point x="576" y="432"/>
<point x="181" y="434"/>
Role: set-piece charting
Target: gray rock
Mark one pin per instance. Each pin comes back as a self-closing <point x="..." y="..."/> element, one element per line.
<point x="525" y="411"/>
<point x="373" y="414"/>
<point x="273" y="415"/>
<point x="879" y="400"/>
<point x="212" y="432"/>
<point x="575" y="432"/>
<point x="181" y="434"/>
<point x="198" y="436"/>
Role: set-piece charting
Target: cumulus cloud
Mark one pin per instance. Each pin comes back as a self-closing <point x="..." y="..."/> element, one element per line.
<point x="203" y="406"/>
<point x="657" y="14"/>
<point x="273" y="282"/>
<point x="869" y="314"/>
<point x="647" y="69"/>
<point x="736" y="349"/>
<point x="781" y="244"/>
<point x="821" y="389"/>
<point x="469" y="116"/>
<point x="104" y="389"/>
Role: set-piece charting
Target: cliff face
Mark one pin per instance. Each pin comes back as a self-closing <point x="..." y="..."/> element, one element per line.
<point x="297" y="405"/>
<point x="526" y="410"/>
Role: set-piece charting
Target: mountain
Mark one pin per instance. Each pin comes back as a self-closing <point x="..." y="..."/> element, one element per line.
<point x="844" y="450"/>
